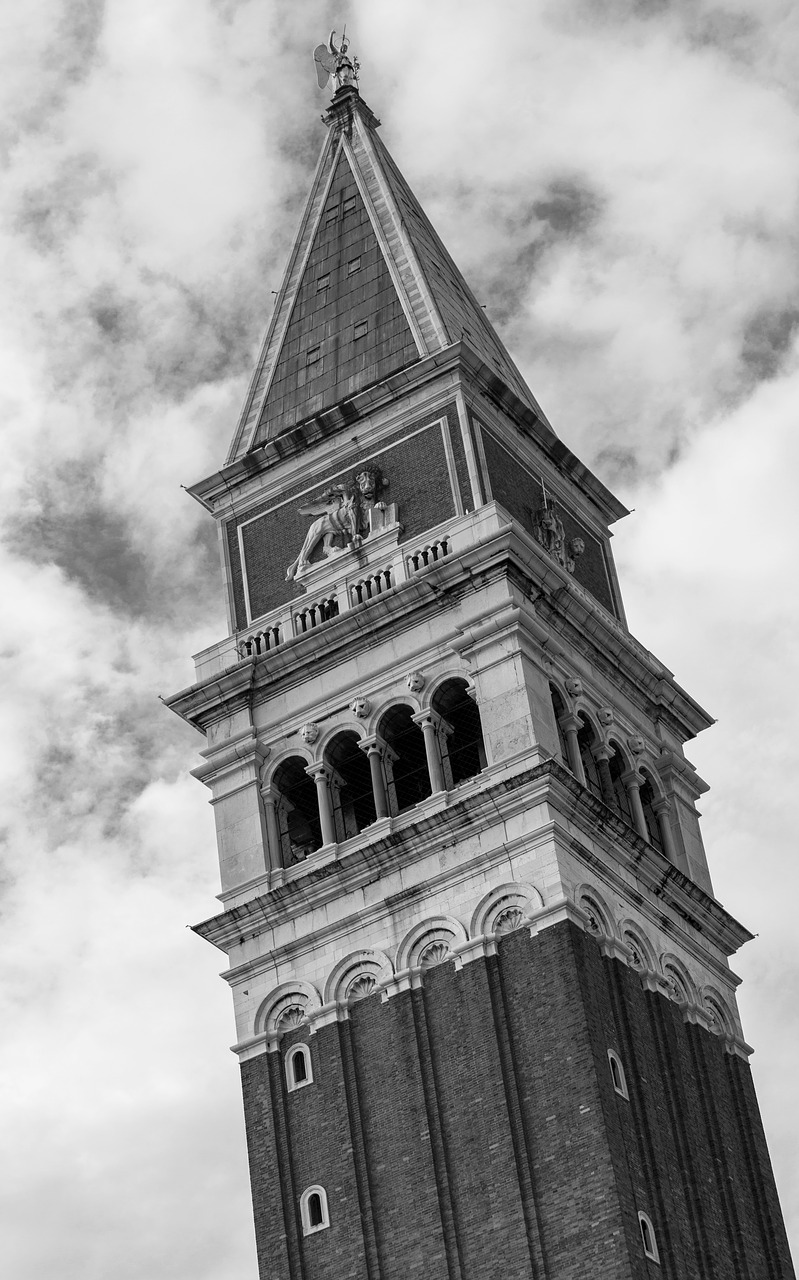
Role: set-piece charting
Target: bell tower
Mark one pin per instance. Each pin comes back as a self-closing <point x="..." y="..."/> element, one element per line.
<point x="485" y="1017"/>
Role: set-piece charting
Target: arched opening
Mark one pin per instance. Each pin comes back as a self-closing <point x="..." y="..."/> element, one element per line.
<point x="617" y="1074"/>
<point x="298" y="1067"/>
<point x="648" y="795"/>
<point x="586" y="741"/>
<point x="648" y="1238"/>
<point x="313" y="1210"/>
<point x="463" y="749"/>
<point x="407" y="778"/>
<point x="617" y="767"/>
<point x="559" y="711"/>
<point x="351" y="788"/>
<point x="297" y="811"/>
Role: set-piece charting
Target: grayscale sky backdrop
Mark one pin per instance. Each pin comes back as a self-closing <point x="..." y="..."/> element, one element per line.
<point x="619" y="181"/>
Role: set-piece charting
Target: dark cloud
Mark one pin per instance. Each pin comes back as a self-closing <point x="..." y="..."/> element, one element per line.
<point x="75" y="48"/>
<point x="524" y="232"/>
<point x="569" y="208"/>
<point x="619" y="465"/>
<point x="767" y="339"/>
<point x="52" y="211"/>
<point x="72" y="527"/>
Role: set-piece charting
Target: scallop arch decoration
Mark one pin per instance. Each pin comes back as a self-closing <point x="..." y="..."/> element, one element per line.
<point x="680" y="986"/>
<point x="640" y="957"/>
<point x="715" y="1006"/>
<point x="505" y="908"/>
<point x="430" y="942"/>
<point x="357" y="976"/>
<point x="286" y="1007"/>
<point x="599" y="920"/>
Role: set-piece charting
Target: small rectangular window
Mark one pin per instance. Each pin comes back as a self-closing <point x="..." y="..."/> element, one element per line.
<point x="323" y="283"/>
<point x="331" y="214"/>
<point x="313" y="355"/>
<point x="361" y="329"/>
<point x="354" y="264"/>
<point x="349" y="204"/>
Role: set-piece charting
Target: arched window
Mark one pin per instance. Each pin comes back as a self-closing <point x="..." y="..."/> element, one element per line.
<point x="297" y="811"/>
<point x="647" y="794"/>
<point x="586" y="740"/>
<point x="352" y="795"/>
<point x="617" y="1074"/>
<point x="463" y="750"/>
<point x="313" y="1210"/>
<point x="559" y="711"/>
<point x="621" y="801"/>
<point x="407" y="779"/>
<point x="648" y="1237"/>
<point x="298" y="1067"/>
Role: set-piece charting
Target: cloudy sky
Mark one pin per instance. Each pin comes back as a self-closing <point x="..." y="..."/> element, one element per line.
<point x="619" y="181"/>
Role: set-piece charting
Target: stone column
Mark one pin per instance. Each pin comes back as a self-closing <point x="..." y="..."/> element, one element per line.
<point x="321" y="776"/>
<point x="602" y="756"/>
<point x="632" y="782"/>
<point x="374" y="749"/>
<point x="570" y="726"/>
<point x="428" y="720"/>
<point x="274" y="843"/>
<point x="662" y="810"/>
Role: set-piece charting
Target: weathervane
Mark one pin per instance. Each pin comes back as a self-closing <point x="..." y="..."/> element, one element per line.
<point x="334" y="62"/>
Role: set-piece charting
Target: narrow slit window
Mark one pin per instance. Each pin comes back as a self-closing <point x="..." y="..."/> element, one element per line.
<point x="353" y="265"/>
<point x="331" y="215"/>
<point x="313" y="1210"/>
<point x="323" y="283"/>
<point x="648" y="1238"/>
<point x="298" y="1067"/>
<point x="361" y="329"/>
<point x="349" y="204"/>
<point x="314" y="355"/>
<point x="617" y="1074"/>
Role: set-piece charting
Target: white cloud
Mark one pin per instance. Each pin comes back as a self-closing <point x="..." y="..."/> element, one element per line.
<point x="622" y="191"/>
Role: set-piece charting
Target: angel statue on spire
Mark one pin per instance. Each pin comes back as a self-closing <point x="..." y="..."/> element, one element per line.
<point x="336" y="62"/>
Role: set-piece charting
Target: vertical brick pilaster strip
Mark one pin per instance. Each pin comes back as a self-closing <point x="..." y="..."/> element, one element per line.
<point x="521" y="1137"/>
<point x="663" y="1014"/>
<point x="653" y="1153"/>
<point x="359" y="1151"/>
<point x="773" y="1239"/>
<point x="437" y="1145"/>
<point x="701" y="1045"/>
<point x="285" y="1171"/>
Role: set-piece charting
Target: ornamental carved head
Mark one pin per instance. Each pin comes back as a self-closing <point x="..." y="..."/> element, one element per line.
<point x="415" y="681"/>
<point x="574" y="687"/>
<point x="360" y="707"/>
<point x="309" y="732"/>
<point x="636" y="744"/>
<point x="605" y="717"/>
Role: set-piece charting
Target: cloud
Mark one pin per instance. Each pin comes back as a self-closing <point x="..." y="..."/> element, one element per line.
<point x="619" y="182"/>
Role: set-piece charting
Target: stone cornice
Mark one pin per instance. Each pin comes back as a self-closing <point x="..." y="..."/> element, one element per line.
<point x="458" y="358"/>
<point x="562" y="609"/>
<point x="548" y="782"/>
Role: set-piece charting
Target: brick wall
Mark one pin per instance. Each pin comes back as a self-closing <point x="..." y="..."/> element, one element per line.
<point x="519" y="491"/>
<point x="470" y="1130"/>
<point x="418" y="482"/>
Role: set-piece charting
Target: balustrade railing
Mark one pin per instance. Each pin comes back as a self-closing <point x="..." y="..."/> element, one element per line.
<point x="259" y="642"/>
<point x="314" y="614"/>
<point x="428" y="555"/>
<point x="372" y="586"/>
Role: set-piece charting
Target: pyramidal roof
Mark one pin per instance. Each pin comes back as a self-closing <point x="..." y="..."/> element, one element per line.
<point x="369" y="289"/>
